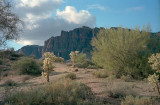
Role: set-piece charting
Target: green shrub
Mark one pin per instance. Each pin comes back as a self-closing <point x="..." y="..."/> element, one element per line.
<point x="71" y="76"/>
<point x="64" y="92"/>
<point x="130" y="100"/>
<point x="100" y="74"/>
<point x="10" y="83"/>
<point x="1" y="61"/>
<point x="127" y="78"/>
<point x="80" y="58"/>
<point x="59" y="59"/>
<point x="13" y="58"/>
<point x="87" y="64"/>
<point x="118" y="89"/>
<point x="122" y="51"/>
<point x="15" y="55"/>
<point x="27" y="66"/>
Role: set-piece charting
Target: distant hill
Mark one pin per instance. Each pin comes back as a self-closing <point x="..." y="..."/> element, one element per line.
<point x="33" y="50"/>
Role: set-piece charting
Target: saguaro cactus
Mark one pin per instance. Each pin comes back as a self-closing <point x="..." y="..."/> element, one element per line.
<point x="48" y="64"/>
<point x="73" y="56"/>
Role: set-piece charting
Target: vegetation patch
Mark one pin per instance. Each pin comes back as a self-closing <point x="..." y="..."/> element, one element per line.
<point x="10" y="83"/>
<point x="118" y="90"/>
<point x="122" y="51"/>
<point x="100" y="74"/>
<point x="27" y="66"/>
<point x="71" y="76"/>
<point x="63" y="92"/>
<point x="131" y="100"/>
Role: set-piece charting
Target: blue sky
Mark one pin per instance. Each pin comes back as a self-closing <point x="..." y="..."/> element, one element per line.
<point x="47" y="18"/>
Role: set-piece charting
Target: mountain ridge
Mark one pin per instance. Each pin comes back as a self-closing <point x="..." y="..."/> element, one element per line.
<point x="76" y="39"/>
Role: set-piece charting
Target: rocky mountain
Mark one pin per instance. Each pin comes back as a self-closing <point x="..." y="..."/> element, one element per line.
<point x="74" y="40"/>
<point x="31" y="50"/>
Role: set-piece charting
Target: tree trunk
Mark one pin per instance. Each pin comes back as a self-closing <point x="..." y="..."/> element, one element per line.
<point x="47" y="75"/>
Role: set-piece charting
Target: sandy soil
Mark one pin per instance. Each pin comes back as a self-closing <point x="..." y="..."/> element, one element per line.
<point x="99" y="86"/>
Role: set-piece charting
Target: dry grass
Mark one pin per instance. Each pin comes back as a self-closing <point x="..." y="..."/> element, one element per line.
<point x="130" y="100"/>
<point x="99" y="86"/>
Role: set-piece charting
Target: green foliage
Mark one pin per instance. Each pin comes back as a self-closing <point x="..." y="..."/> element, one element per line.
<point x="121" y="51"/>
<point x="1" y="61"/>
<point x="71" y="76"/>
<point x="10" y="83"/>
<point x="27" y="66"/>
<point x="127" y="78"/>
<point x="80" y="58"/>
<point x="64" y="92"/>
<point x="130" y="100"/>
<point x="59" y="59"/>
<point x="100" y="74"/>
<point x="81" y="61"/>
<point x="118" y="89"/>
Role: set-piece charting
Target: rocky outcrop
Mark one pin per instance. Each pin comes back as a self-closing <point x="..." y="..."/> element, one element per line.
<point x="31" y="50"/>
<point x="74" y="40"/>
<point x="77" y="39"/>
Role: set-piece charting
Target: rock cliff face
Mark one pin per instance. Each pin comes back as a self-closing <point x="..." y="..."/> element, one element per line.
<point x="29" y="50"/>
<point x="74" y="40"/>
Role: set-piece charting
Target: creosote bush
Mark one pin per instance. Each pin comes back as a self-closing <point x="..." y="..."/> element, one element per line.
<point x="118" y="90"/>
<point x="130" y="100"/>
<point x="63" y="92"/>
<point x="27" y="65"/>
<point x="100" y="74"/>
<point x="81" y="61"/>
<point x="59" y="59"/>
<point x="71" y="76"/>
<point x="10" y="83"/>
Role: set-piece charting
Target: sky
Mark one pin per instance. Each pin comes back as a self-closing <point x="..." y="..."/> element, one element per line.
<point x="46" y="18"/>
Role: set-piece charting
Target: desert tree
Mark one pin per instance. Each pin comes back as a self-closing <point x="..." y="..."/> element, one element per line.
<point x="117" y="49"/>
<point x="10" y="24"/>
<point x="48" y="64"/>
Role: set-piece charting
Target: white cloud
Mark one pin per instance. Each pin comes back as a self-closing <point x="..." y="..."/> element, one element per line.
<point x="71" y="15"/>
<point x="33" y="3"/>
<point x="96" y="6"/>
<point x="24" y="42"/>
<point x="40" y="23"/>
<point x="31" y="20"/>
<point x="137" y="8"/>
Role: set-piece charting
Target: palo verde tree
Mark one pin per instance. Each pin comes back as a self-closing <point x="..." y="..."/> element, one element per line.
<point x="48" y="64"/>
<point x="10" y="24"/>
<point x="73" y="56"/>
<point x="119" y="50"/>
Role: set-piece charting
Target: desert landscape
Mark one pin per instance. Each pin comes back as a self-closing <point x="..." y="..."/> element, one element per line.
<point x="79" y="52"/>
